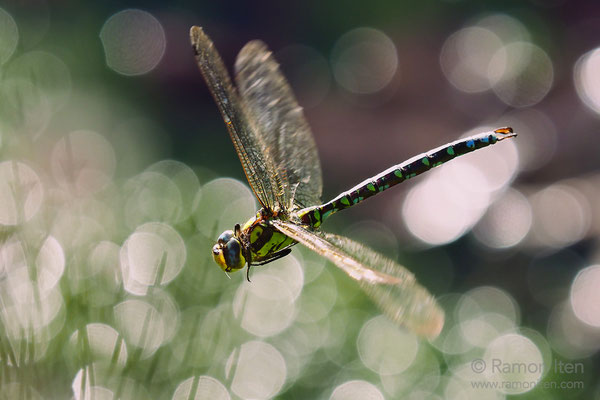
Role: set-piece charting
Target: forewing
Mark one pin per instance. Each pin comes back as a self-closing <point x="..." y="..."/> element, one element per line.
<point x="392" y="287"/>
<point x="281" y="124"/>
<point x="248" y="145"/>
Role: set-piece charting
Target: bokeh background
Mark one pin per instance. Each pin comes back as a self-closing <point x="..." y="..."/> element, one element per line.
<point x="117" y="175"/>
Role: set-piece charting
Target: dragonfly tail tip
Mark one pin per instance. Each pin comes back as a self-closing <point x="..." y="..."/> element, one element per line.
<point x="505" y="133"/>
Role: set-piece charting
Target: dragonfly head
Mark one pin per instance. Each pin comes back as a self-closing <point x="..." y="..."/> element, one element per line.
<point x="228" y="252"/>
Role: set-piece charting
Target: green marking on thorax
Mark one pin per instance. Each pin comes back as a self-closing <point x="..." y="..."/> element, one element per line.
<point x="278" y="240"/>
<point x="256" y="232"/>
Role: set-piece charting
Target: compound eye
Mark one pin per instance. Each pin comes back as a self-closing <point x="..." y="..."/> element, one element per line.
<point x="225" y="237"/>
<point x="233" y="250"/>
<point x="233" y="254"/>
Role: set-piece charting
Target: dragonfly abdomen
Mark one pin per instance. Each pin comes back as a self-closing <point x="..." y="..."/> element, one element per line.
<point x="417" y="165"/>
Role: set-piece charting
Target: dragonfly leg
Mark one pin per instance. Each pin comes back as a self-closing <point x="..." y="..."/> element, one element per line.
<point x="250" y="264"/>
<point x="275" y="256"/>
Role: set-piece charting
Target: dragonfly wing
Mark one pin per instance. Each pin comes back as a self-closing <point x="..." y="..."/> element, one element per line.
<point x="261" y="174"/>
<point x="281" y="124"/>
<point x="392" y="287"/>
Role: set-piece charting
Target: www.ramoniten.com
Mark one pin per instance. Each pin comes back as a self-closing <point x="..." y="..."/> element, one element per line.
<point x="517" y="385"/>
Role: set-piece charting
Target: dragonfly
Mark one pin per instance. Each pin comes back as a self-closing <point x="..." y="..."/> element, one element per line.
<point x="279" y="157"/>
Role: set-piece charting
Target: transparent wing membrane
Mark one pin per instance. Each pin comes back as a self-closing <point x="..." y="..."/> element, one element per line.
<point x="251" y="151"/>
<point x="280" y="124"/>
<point x="389" y="285"/>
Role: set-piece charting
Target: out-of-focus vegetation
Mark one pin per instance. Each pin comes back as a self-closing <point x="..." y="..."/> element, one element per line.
<point x="117" y="175"/>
